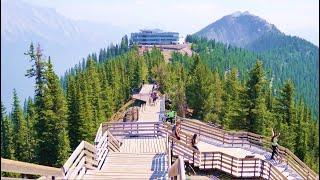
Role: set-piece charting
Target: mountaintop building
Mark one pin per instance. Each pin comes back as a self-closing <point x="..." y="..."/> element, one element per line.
<point x="154" y="37"/>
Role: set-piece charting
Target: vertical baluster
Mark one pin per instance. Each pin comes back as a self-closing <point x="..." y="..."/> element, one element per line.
<point x="221" y="161"/>
<point x="204" y="160"/>
<point x="212" y="159"/>
<point x="241" y="167"/>
<point x="231" y="164"/>
<point x="254" y="168"/>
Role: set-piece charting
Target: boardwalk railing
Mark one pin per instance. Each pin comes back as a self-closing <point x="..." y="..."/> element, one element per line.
<point x="177" y="169"/>
<point x="131" y="129"/>
<point x="240" y="167"/>
<point x="82" y="158"/>
<point x="240" y="139"/>
<point x="105" y="144"/>
<point x="24" y="168"/>
<point x="120" y="113"/>
<point x="183" y="146"/>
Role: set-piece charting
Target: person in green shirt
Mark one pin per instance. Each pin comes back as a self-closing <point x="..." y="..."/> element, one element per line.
<point x="274" y="143"/>
<point x="170" y="116"/>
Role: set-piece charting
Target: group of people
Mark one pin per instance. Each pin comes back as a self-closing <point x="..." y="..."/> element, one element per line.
<point x="176" y="130"/>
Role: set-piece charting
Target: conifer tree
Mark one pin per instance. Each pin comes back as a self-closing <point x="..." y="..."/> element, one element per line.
<point x="31" y="132"/>
<point x="54" y="140"/>
<point x="231" y="101"/>
<point x="19" y="129"/>
<point x="255" y="93"/>
<point x="95" y="95"/>
<point x="285" y="112"/>
<point x="73" y="112"/>
<point x="217" y="96"/>
<point x="7" y="146"/>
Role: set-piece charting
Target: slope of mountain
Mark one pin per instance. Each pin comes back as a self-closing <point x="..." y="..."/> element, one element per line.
<point x="237" y="29"/>
<point x="65" y="40"/>
<point x="287" y="57"/>
<point x="292" y="58"/>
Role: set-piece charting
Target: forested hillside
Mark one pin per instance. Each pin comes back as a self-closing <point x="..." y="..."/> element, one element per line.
<point x="236" y="96"/>
<point x="284" y="58"/>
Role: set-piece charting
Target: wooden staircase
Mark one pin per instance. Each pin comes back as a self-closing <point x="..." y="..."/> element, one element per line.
<point x="132" y="166"/>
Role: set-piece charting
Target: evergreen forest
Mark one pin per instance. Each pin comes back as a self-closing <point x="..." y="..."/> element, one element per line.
<point x="228" y="86"/>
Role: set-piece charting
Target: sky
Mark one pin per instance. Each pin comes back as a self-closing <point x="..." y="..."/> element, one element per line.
<point x="293" y="17"/>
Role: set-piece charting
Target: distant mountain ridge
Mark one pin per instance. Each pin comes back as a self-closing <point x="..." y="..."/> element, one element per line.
<point x="238" y="29"/>
<point x="66" y="41"/>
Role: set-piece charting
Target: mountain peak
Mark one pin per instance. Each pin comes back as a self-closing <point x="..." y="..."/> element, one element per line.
<point x="245" y="25"/>
<point x="239" y="13"/>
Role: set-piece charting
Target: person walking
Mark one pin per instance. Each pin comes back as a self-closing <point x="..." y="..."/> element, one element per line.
<point x="274" y="143"/>
<point x="176" y="129"/>
<point x="170" y="116"/>
<point x="154" y="98"/>
<point x="194" y="141"/>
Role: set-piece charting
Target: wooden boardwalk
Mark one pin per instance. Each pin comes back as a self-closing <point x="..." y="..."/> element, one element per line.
<point x="149" y="112"/>
<point x="144" y="145"/>
<point x="139" y="158"/>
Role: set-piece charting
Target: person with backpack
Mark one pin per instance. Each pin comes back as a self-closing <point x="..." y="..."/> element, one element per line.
<point x="194" y="141"/>
<point x="274" y="143"/>
<point x="176" y="130"/>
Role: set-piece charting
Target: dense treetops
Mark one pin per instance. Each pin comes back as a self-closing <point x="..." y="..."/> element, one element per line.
<point x="64" y="113"/>
<point x="284" y="57"/>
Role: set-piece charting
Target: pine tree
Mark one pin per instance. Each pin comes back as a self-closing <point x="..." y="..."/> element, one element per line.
<point x="19" y="129"/>
<point x="31" y="133"/>
<point x="7" y="147"/>
<point x="285" y="112"/>
<point x="73" y="112"/>
<point x="37" y="70"/>
<point x="231" y="110"/>
<point x="54" y="140"/>
<point x="255" y="93"/>
<point x="95" y="95"/>
<point x="217" y="105"/>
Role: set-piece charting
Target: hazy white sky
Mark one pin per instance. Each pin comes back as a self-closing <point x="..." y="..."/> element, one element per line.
<point x="294" y="17"/>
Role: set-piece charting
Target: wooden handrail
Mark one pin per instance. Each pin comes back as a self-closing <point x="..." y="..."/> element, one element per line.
<point x="82" y="158"/>
<point x="251" y="139"/>
<point x="236" y="166"/>
<point x="134" y="129"/>
<point x="8" y="165"/>
<point x="119" y="114"/>
<point x="177" y="169"/>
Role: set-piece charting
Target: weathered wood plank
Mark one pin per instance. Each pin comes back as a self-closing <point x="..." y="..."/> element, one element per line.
<point x="8" y="165"/>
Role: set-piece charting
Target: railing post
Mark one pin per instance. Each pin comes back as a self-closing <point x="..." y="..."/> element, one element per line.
<point x="241" y="167"/>
<point x="231" y="164"/>
<point x="248" y="140"/>
<point x="212" y="159"/>
<point x="220" y="161"/>
<point x="204" y="160"/>
<point x="242" y="141"/>
<point x="269" y="170"/>
<point x="193" y="157"/>
<point x="232" y="139"/>
<point x="261" y="169"/>
<point x="223" y="138"/>
<point x="254" y="168"/>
